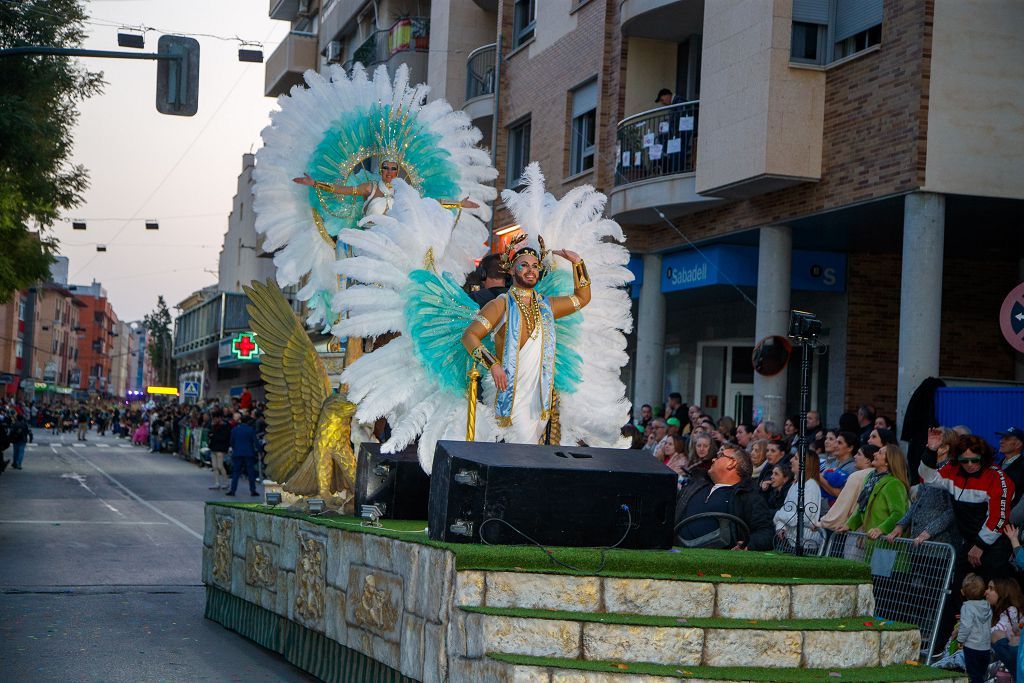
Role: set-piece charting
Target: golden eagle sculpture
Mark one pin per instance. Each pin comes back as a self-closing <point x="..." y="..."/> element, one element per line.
<point x="309" y="447"/>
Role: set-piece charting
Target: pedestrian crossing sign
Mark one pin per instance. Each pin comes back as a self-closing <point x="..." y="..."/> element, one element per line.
<point x="190" y="389"/>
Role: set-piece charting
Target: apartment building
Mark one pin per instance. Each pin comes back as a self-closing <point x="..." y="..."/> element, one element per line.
<point x="97" y="340"/>
<point x="39" y="330"/>
<point x="434" y="38"/>
<point x="851" y="158"/>
<point x="854" y="158"/>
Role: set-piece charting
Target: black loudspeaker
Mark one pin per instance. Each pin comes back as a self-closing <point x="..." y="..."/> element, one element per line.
<point x="393" y="482"/>
<point x="556" y="495"/>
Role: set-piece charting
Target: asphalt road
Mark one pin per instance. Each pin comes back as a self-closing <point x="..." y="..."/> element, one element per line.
<point x="100" y="552"/>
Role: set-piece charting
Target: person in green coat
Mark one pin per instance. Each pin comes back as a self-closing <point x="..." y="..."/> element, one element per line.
<point x="884" y="499"/>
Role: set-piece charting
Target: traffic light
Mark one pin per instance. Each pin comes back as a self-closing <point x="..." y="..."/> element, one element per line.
<point x="177" y="76"/>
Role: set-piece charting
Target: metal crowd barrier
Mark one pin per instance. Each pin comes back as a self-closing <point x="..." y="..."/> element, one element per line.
<point x="910" y="582"/>
<point x="813" y="541"/>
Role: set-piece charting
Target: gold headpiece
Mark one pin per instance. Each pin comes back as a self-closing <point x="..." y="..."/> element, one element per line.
<point x="515" y="249"/>
<point x="392" y="132"/>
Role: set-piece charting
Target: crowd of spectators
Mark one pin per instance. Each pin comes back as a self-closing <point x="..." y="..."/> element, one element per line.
<point x="225" y="436"/>
<point x="738" y="486"/>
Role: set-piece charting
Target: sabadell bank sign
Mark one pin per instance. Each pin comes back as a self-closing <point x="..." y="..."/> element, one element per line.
<point x="682" y="278"/>
<point x="726" y="264"/>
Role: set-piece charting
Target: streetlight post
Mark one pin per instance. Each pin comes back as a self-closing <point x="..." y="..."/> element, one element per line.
<point x="804" y="329"/>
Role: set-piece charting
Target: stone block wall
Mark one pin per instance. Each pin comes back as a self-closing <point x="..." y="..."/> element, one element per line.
<point x="387" y="599"/>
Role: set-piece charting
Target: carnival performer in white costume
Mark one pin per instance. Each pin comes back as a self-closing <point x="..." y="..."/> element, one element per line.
<point x="419" y="381"/>
<point x="523" y="325"/>
<point x="344" y="139"/>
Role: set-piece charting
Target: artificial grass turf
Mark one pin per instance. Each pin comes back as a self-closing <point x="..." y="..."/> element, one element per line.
<point x="719" y="566"/>
<point x="846" y="624"/>
<point x="873" y="674"/>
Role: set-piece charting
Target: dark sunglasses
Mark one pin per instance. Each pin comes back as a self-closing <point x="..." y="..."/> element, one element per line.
<point x="969" y="460"/>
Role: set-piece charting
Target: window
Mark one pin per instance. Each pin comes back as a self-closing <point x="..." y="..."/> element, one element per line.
<point x="21" y="309"/>
<point x="828" y="30"/>
<point x="808" y="43"/>
<point x="584" y="121"/>
<point x="518" y="152"/>
<point x="524" y="18"/>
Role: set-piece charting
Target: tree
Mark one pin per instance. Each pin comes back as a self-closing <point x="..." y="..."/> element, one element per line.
<point x="158" y="327"/>
<point x="38" y="111"/>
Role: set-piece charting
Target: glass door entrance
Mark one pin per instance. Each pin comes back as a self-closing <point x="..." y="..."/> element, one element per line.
<point x="725" y="379"/>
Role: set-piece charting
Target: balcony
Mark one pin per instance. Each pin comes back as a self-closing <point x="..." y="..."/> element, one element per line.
<point x="286" y="10"/>
<point x="296" y="53"/>
<point x="670" y="20"/>
<point x="657" y="163"/>
<point x="404" y="42"/>
<point x="480" y="75"/>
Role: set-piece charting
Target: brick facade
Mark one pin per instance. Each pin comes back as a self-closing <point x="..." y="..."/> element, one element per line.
<point x="874" y="137"/>
<point x="539" y="87"/>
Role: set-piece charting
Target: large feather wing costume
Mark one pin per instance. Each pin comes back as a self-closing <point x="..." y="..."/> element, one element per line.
<point x="406" y="275"/>
<point x="593" y="411"/>
<point x="296" y="381"/>
<point x="418" y="380"/>
<point x="329" y="128"/>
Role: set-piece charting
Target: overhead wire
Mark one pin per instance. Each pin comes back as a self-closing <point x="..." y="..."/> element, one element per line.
<point x="167" y="175"/>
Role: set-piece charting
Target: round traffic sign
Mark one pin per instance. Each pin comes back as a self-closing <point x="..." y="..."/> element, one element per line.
<point x="1011" y="318"/>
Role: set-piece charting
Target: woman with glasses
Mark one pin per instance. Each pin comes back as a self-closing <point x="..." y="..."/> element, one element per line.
<point x="981" y="501"/>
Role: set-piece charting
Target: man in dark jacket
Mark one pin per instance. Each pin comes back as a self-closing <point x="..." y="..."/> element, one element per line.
<point x="19" y="435"/>
<point x="243" y="454"/>
<point x="725" y="488"/>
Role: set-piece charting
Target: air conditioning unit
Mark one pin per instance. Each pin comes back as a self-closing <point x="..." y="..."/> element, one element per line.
<point x="304" y="8"/>
<point x="333" y="52"/>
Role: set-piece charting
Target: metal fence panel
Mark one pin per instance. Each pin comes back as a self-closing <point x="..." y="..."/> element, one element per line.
<point x="910" y="581"/>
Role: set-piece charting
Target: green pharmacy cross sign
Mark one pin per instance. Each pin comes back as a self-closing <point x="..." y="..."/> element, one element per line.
<point x="244" y="346"/>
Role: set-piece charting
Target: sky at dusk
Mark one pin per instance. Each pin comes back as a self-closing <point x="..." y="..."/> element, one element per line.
<point x="144" y="165"/>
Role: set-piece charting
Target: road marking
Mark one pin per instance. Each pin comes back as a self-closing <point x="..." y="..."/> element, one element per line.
<point x="103" y="445"/>
<point x="75" y="521"/>
<point x="138" y="499"/>
<point x="125" y="445"/>
<point x="77" y="444"/>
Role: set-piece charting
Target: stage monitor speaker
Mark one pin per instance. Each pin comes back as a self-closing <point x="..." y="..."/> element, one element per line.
<point x="556" y="495"/>
<point x="394" y="482"/>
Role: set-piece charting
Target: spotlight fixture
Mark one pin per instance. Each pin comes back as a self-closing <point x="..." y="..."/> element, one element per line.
<point x="506" y="230"/>
<point x="101" y="247"/>
<point x="130" y="37"/>
<point x="315" y="506"/>
<point x="272" y="498"/>
<point x="250" y="52"/>
<point x="152" y="225"/>
<point x="78" y="225"/>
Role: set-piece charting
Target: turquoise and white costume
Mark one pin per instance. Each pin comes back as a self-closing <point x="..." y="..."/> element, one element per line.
<point x="336" y="129"/>
<point x="408" y="281"/>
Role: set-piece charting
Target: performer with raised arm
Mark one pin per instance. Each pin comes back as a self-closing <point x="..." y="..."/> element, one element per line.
<point x="559" y="365"/>
<point x="522" y="322"/>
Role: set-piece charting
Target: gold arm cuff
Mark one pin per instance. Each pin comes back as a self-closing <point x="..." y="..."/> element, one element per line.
<point x="484" y="357"/>
<point x="579" y="273"/>
<point x="575" y="301"/>
<point x="483" y="321"/>
<point x="326" y="187"/>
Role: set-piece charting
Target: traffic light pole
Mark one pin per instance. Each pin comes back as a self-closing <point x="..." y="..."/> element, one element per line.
<point x="177" y="69"/>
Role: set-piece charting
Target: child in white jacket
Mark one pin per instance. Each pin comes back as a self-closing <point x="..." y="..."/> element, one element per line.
<point x="975" y="632"/>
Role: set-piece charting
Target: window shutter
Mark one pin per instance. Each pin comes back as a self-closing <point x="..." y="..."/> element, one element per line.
<point x="810" y="11"/>
<point x="584" y="99"/>
<point x="854" y="16"/>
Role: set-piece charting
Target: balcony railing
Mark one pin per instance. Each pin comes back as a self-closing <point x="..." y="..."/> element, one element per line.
<point x="480" y="72"/>
<point x="659" y="142"/>
<point x="411" y="34"/>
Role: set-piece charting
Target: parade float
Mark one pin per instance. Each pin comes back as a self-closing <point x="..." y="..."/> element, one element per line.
<point x="375" y="203"/>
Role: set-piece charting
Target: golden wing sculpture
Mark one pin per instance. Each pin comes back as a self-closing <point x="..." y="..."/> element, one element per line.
<point x="309" y="446"/>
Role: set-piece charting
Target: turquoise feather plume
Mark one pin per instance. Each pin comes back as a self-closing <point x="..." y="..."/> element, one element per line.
<point x="437" y="312"/>
<point x="568" y="364"/>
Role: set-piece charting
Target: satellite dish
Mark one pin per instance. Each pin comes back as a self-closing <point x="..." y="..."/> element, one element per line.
<point x="771" y="355"/>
